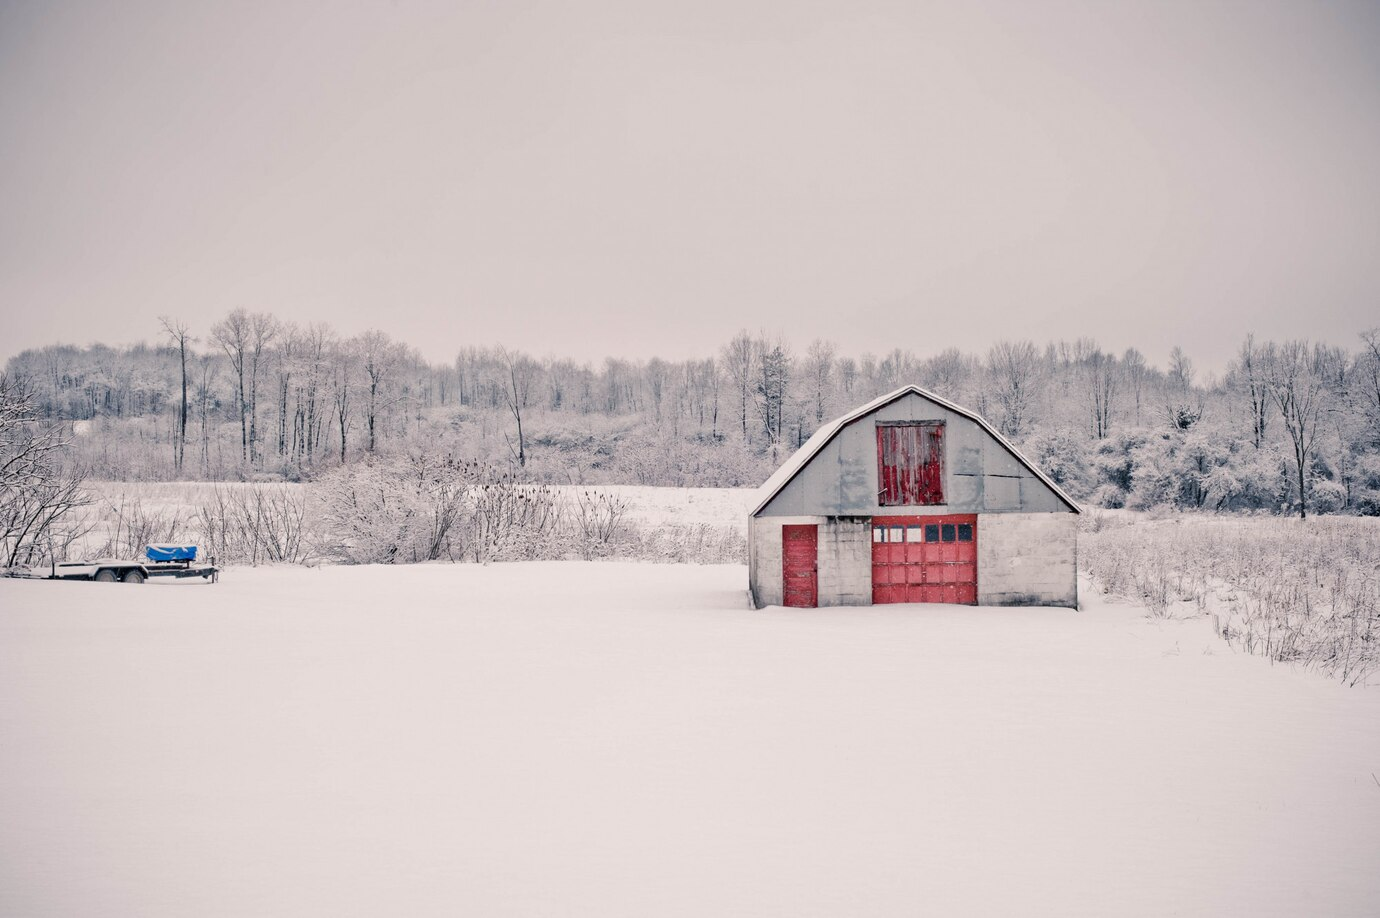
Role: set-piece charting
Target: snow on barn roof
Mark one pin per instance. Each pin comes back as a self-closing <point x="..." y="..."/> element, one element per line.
<point x="801" y="457"/>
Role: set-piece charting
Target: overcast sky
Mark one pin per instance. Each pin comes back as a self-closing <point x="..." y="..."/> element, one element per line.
<point x="636" y="178"/>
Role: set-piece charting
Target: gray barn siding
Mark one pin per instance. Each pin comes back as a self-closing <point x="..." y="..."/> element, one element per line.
<point x="980" y="475"/>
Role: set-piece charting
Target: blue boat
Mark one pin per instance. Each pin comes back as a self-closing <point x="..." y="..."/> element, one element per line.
<point x="164" y="553"/>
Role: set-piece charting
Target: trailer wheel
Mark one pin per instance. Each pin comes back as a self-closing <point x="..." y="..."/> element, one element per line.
<point x="105" y="576"/>
<point x="133" y="577"/>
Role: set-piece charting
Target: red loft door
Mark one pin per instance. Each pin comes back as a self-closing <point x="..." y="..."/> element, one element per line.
<point x="799" y="567"/>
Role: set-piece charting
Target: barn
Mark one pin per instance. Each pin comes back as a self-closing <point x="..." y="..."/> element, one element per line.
<point x="911" y="498"/>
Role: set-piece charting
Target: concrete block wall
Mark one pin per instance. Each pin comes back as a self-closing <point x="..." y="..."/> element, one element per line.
<point x="845" y="562"/>
<point x="1028" y="559"/>
<point x="845" y="559"/>
<point x="1024" y="559"/>
<point x="764" y="557"/>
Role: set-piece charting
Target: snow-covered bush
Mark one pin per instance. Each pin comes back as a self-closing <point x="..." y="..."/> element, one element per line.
<point x="252" y="524"/>
<point x="409" y="509"/>
<point x="386" y="511"/>
<point x="1326" y="496"/>
<point x="698" y="543"/>
<point x="1109" y="497"/>
<point x="41" y="491"/>
<point x="1061" y="455"/>
<point x="599" y="517"/>
<point x="136" y="525"/>
<point x="1193" y="470"/>
<point x="1305" y="591"/>
<point x="512" y="521"/>
<point x="1368" y="502"/>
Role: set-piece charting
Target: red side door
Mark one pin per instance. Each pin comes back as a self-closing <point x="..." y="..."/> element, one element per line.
<point x="799" y="565"/>
<point x="924" y="559"/>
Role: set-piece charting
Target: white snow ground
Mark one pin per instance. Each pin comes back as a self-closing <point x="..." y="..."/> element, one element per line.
<point x="629" y="740"/>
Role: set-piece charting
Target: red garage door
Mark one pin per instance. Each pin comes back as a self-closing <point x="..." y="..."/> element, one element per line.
<point x="798" y="565"/>
<point x="924" y="559"/>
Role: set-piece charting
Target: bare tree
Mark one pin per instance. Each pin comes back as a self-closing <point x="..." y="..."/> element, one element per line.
<point x="1369" y="367"/>
<point x="343" y="359"/>
<point x="1013" y="366"/>
<point x="657" y="372"/>
<point x="739" y="361"/>
<point x="819" y="371"/>
<point x="1249" y="376"/>
<point x="702" y="377"/>
<point x="309" y="420"/>
<point x="1133" y="363"/>
<point x="263" y="329"/>
<point x="285" y="357"/>
<point x="38" y="490"/>
<point x="1296" y="385"/>
<point x="205" y="395"/>
<point x="848" y="377"/>
<point x="1183" y="405"/>
<point x="773" y="363"/>
<point x="517" y="374"/>
<point x="177" y="331"/>
<point x="1102" y="378"/>
<point x="233" y="336"/>
<point x="1180" y="369"/>
<point x="380" y="359"/>
<point x="947" y="372"/>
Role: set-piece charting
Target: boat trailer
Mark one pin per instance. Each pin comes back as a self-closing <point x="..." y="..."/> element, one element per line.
<point x="176" y="561"/>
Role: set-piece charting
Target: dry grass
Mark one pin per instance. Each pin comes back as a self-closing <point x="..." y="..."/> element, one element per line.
<point x="253" y="523"/>
<point x="1299" y="591"/>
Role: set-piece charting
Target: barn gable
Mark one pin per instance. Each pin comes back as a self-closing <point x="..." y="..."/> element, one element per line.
<point x="835" y="472"/>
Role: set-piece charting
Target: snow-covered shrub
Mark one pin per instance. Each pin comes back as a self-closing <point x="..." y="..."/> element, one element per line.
<point x="1262" y="480"/>
<point x="395" y="510"/>
<point x="1155" y="476"/>
<point x="653" y="456"/>
<point x="1368" y="502"/>
<point x="598" y="516"/>
<point x="41" y="490"/>
<point x="1111" y="462"/>
<point x="698" y="543"/>
<point x="1305" y="591"/>
<point x="512" y="521"/>
<point x="1108" y="496"/>
<point x="1061" y="455"/>
<point x="130" y="526"/>
<point x="1326" y="496"/>
<point x="253" y="524"/>
<point x="1193" y="470"/>
<point x="1249" y="480"/>
<point x="415" y="508"/>
<point x="1366" y="491"/>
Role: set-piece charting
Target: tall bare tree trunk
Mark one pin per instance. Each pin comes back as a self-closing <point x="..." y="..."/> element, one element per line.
<point x="177" y="334"/>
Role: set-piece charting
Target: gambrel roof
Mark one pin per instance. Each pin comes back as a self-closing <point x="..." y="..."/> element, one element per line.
<point x="821" y="438"/>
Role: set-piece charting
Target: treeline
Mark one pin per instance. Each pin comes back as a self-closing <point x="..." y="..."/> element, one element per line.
<point x="1290" y="427"/>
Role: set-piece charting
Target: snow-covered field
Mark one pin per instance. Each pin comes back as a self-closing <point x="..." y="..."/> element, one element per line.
<point x="615" y="739"/>
<point x="725" y="507"/>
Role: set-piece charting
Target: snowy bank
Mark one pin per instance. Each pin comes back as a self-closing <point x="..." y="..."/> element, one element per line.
<point x="621" y="739"/>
